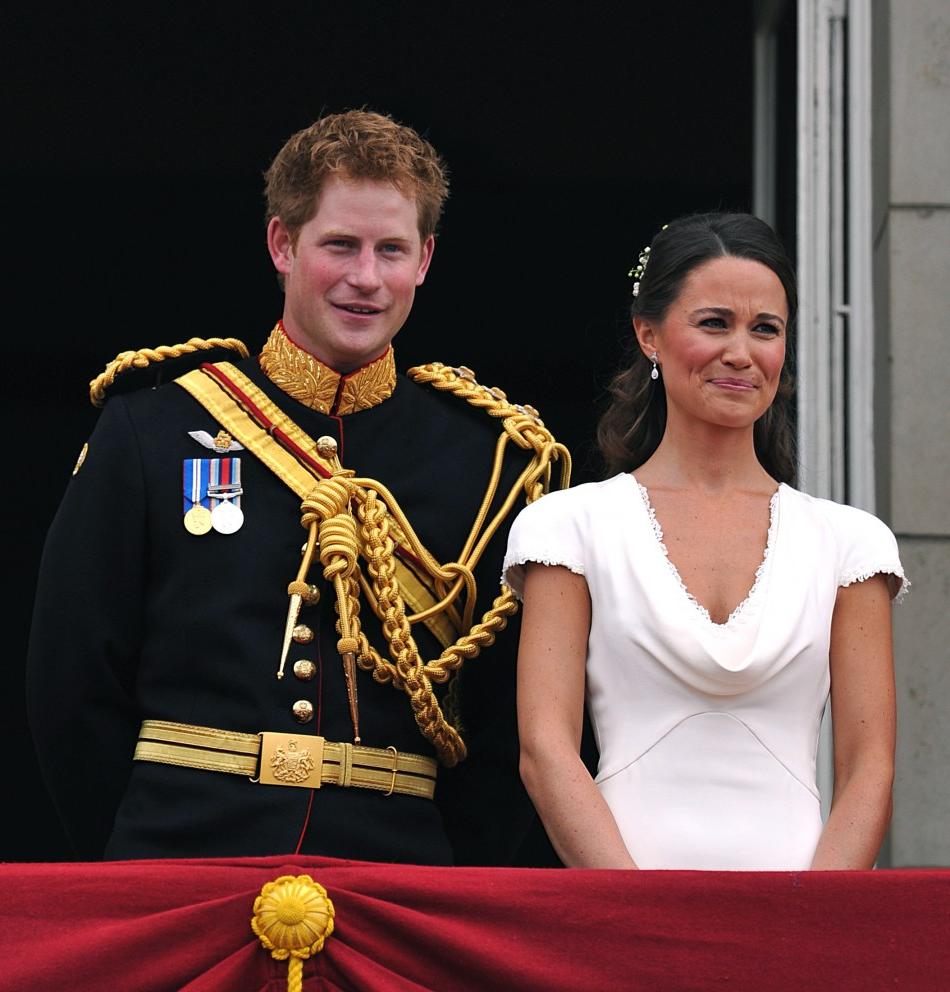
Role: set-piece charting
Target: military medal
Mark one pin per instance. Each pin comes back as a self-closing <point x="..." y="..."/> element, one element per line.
<point x="224" y="491"/>
<point x="198" y="520"/>
<point x="226" y="518"/>
<point x="195" y="477"/>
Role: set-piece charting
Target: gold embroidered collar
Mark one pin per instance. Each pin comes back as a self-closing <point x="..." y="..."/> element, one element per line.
<point x="304" y="377"/>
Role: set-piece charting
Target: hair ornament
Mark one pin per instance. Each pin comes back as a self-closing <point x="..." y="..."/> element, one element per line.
<point x="636" y="273"/>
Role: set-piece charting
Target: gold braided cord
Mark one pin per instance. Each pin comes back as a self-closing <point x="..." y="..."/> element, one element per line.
<point x="522" y="423"/>
<point x="326" y="514"/>
<point x="407" y="670"/>
<point x="331" y="511"/>
<point x="457" y="573"/>
<point x="144" y="357"/>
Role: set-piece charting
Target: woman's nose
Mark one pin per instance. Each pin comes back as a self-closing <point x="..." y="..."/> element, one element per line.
<point x="736" y="353"/>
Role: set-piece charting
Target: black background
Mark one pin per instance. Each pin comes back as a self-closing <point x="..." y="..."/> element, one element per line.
<point x="136" y="139"/>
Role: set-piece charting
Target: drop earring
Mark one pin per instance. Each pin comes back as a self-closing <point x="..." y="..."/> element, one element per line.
<point x="655" y="371"/>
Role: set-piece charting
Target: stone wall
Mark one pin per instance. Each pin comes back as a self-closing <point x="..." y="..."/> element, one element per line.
<point x="912" y="405"/>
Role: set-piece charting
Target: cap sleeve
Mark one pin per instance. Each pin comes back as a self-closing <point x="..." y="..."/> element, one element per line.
<point x="867" y="547"/>
<point x="547" y="532"/>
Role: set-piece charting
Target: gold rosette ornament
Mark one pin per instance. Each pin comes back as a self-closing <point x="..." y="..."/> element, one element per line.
<point x="293" y="916"/>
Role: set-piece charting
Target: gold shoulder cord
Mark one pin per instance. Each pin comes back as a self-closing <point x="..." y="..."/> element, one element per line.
<point x="327" y="515"/>
<point x="332" y="527"/>
<point x="144" y="357"/>
<point x="407" y="671"/>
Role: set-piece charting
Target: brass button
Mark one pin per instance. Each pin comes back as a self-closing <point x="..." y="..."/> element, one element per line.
<point x="312" y="596"/>
<point x="304" y="670"/>
<point x="303" y="711"/>
<point x="302" y="634"/>
<point x="326" y="446"/>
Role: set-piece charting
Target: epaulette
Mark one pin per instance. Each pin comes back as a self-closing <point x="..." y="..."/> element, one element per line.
<point x="144" y="357"/>
<point x="461" y="381"/>
<point x="521" y="423"/>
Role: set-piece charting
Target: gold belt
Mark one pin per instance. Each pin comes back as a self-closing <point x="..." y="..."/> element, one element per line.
<point x="287" y="759"/>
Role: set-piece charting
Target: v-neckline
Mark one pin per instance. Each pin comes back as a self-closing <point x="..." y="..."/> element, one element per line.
<point x="743" y="605"/>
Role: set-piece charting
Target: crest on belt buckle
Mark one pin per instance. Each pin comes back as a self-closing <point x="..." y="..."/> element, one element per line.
<point x="293" y="764"/>
<point x="291" y="759"/>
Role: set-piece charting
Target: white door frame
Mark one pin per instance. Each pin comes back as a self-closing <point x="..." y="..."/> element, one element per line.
<point x="835" y="335"/>
<point x="836" y="316"/>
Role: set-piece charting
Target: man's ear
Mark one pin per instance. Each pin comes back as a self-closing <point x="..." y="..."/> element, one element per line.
<point x="646" y="335"/>
<point x="428" y="247"/>
<point x="280" y="245"/>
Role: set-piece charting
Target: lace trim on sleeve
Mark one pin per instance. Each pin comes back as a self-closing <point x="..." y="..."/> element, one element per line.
<point x="572" y="566"/>
<point x="518" y="560"/>
<point x="862" y="574"/>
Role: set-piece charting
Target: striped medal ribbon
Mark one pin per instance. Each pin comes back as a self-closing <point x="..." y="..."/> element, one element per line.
<point x="195" y="478"/>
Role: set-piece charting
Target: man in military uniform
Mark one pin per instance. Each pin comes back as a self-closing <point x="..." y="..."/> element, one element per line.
<point x="265" y="580"/>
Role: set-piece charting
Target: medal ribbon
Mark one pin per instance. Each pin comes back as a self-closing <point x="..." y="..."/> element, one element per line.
<point x="226" y="473"/>
<point x="196" y="475"/>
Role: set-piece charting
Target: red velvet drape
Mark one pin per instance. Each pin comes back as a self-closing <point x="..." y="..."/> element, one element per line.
<point x="157" y="926"/>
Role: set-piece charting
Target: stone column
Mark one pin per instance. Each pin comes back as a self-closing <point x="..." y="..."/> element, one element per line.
<point x="912" y="399"/>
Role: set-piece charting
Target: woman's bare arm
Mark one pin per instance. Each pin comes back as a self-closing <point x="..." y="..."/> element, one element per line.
<point x="863" y="719"/>
<point x="551" y="671"/>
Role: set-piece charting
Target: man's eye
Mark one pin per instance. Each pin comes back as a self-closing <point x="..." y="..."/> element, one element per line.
<point x="392" y="249"/>
<point x="338" y="243"/>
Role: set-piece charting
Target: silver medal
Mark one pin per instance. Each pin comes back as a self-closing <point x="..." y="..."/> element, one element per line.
<point x="226" y="518"/>
<point x="225" y="496"/>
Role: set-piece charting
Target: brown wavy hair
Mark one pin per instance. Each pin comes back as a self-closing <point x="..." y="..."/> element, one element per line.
<point x="633" y="424"/>
<point x="357" y="144"/>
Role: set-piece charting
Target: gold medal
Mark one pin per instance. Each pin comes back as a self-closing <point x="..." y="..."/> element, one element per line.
<point x="198" y="520"/>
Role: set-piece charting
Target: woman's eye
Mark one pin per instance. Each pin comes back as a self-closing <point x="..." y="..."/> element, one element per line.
<point x="717" y="322"/>
<point x="769" y="329"/>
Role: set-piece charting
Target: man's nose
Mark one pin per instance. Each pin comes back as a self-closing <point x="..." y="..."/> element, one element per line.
<point x="363" y="274"/>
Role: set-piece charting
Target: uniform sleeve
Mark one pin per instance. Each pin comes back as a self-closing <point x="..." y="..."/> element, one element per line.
<point x="84" y="641"/>
<point x="867" y="547"/>
<point x="546" y="532"/>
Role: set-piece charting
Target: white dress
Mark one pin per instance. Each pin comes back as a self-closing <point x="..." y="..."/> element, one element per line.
<point x="707" y="732"/>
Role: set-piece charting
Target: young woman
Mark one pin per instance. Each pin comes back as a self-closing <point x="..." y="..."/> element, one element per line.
<point x="705" y="606"/>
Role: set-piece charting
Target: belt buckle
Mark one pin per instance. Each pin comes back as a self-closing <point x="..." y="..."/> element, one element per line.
<point x="291" y="759"/>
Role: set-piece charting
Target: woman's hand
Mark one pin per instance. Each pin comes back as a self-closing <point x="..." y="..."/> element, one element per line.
<point x="552" y="659"/>
<point x="863" y="721"/>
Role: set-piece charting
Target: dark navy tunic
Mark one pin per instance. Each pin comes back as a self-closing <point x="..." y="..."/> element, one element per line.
<point x="136" y="618"/>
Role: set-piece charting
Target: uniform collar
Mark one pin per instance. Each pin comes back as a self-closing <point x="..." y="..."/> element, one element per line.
<point x="305" y="378"/>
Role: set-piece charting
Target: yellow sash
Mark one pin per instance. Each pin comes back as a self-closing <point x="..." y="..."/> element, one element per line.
<point x="228" y="412"/>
